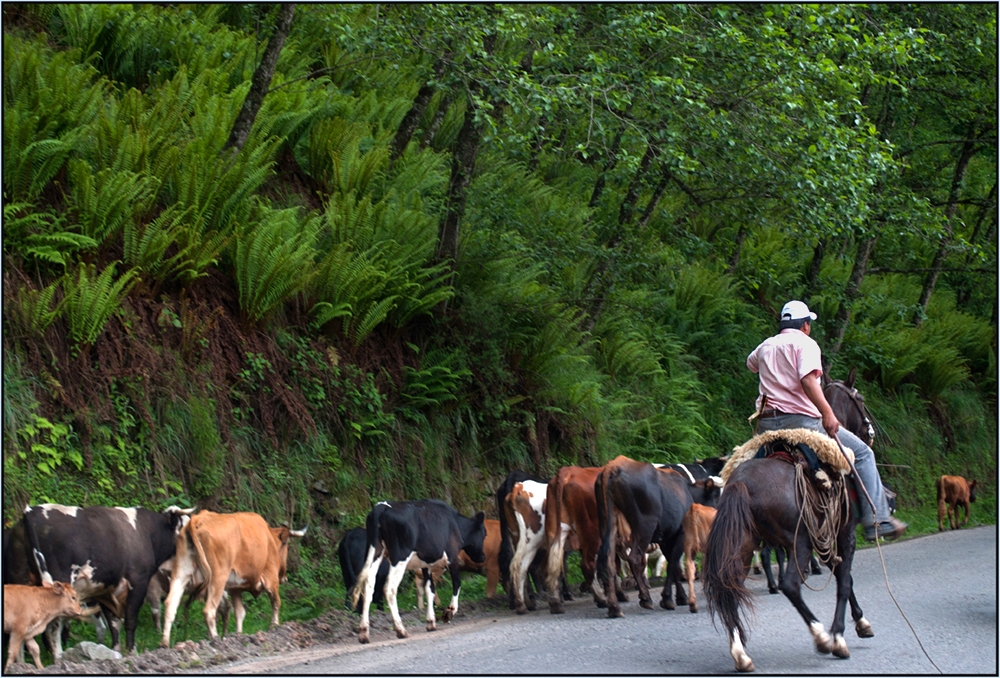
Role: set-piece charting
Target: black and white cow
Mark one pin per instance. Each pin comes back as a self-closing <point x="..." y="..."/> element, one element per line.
<point x="416" y="535"/>
<point x="351" y="552"/>
<point x="109" y="554"/>
<point x="703" y="481"/>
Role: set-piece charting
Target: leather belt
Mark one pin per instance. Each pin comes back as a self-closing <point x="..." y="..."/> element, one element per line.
<point x="772" y="413"/>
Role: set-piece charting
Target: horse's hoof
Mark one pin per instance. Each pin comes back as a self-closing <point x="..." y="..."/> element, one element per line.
<point x="840" y="647"/>
<point x="864" y="629"/>
<point x="648" y="604"/>
<point x="745" y="666"/>
<point x="816" y="570"/>
<point x="401" y="633"/>
<point x="615" y="612"/>
<point x="756" y="569"/>
<point x="556" y="608"/>
<point x="667" y="604"/>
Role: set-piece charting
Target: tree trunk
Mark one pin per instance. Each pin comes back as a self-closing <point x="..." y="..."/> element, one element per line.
<point x="431" y="131"/>
<point x="968" y="150"/>
<point x="852" y="292"/>
<point x="817" y="263"/>
<point x="734" y="260"/>
<point x="603" y="279"/>
<point x="989" y="207"/>
<point x="612" y="160"/>
<point x="412" y="118"/>
<point x="261" y="80"/>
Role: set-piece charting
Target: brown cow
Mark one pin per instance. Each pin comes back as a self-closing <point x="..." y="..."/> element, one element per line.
<point x="490" y="568"/>
<point x="571" y="514"/>
<point x="228" y="552"/>
<point x="697" y="523"/>
<point x="952" y="492"/>
<point x="27" y="610"/>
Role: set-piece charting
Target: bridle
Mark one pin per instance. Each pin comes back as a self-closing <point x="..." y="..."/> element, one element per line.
<point x="858" y="401"/>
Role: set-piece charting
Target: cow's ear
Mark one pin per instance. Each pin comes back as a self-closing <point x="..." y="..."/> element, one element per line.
<point x="480" y="518"/>
<point x="709" y="484"/>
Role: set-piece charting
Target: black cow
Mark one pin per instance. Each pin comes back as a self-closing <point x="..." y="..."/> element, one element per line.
<point x="653" y="503"/>
<point x="703" y="484"/>
<point x="105" y="552"/>
<point x="351" y="551"/>
<point x="416" y="535"/>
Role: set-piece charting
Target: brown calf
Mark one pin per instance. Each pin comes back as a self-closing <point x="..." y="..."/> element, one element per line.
<point x="697" y="523"/>
<point x="952" y="492"/>
<point x="27" y="610"/>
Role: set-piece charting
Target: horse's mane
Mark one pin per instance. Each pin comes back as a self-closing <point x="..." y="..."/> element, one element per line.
<point x="825" y="447"/>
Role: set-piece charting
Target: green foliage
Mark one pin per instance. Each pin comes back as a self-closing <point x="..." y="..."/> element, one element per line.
<point x="91" y="299"/>
<point x="273" y="261"/>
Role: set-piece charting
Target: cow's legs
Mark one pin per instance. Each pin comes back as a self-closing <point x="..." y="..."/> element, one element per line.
<point x="392" y="581"/>
<point x="369" y="592"/>
<point x="689" y="571"/>
<point x="637" y="563"/>
<point x="182" y="572"/>
<point x="456" y="587"/>
<point x="523" y="556"/>
<point x="34" y="650"/>
<point x="54" y="633"/>
<point x="429" y="593"/>
<point x="216" y="589"/>
<point x="16" y="647"/>
<point x="554" y="569"/>
<point x="673" y="549"/>
<point x="966" y="506"/>
<point x="239" y="612"/>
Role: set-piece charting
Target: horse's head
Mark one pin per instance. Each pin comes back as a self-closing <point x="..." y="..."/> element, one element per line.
<point x="849" y="406"/>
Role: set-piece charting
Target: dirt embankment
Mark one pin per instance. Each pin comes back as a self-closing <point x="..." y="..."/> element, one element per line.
<point x="330" y="628"/>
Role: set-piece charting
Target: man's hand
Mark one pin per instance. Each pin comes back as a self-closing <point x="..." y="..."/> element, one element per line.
<point x="811" y="386"/>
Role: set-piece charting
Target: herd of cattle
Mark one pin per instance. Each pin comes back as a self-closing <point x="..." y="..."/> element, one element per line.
<point x="100" y="563"/>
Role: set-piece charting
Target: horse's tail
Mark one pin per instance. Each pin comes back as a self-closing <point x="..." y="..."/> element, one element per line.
<point x="553" y="532"/>
<point x="723" y="570"/>
<point x="606" y="522"/>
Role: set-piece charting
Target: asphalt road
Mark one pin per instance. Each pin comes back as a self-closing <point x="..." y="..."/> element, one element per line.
<point x="945" y="583"/>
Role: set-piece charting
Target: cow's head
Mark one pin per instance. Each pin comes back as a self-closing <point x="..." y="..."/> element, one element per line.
<point x="282" y="535"/>
<point x="710" y="490"/>
<point x="178" y="517"/>
<point x="66" y="594"/>
<point x="473" y="536"/>
<point x="972" y="490"/>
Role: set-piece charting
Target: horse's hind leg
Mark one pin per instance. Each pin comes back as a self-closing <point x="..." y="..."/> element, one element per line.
<point x="845" y="593"/>
<point x="792" y="588"/>
<point x="861" y="624"/>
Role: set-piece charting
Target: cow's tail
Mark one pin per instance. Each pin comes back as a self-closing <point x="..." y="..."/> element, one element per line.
<point x="346" y="570"/>
<point x="723" y="571"/>
<point x="373" y="549"/>
<point x="506" y="552"/>
<point x="36" y="560"/>
<point x="553" y="528"/>
<point x="940" y="489"/>
<point x="607" y="525"/>
<point x="193" y="537"/>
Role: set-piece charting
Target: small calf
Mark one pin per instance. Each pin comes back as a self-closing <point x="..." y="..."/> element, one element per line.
<point x="27" y="610"/>
<point x="697" y="522"/>
<point x="952" y="492"/>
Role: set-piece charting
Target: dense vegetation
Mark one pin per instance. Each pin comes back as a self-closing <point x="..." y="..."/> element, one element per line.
<point x="453" y="240"/>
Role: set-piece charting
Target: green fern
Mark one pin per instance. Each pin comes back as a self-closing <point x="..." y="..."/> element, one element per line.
<point x="273" y="262"/>
<point x="105" y="202"/>
<point x="34" y="311"/>
<point x="92" y="299"/>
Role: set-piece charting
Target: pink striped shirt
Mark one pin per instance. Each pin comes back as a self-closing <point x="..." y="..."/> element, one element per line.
<point x="782" y="361"/>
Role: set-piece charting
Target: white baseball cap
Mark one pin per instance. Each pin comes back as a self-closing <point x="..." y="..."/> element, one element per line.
<point x="796" y="310"/>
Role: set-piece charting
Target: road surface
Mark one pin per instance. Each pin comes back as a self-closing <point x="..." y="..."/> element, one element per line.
<point x="945" y="583"/>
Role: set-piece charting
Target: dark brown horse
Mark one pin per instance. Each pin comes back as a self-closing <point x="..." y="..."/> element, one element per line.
<point x="760" y="504"/>
<point x="849" y="406"/>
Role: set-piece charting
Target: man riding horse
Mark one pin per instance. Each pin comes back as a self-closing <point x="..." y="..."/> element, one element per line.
<point x="791" y="396"/>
